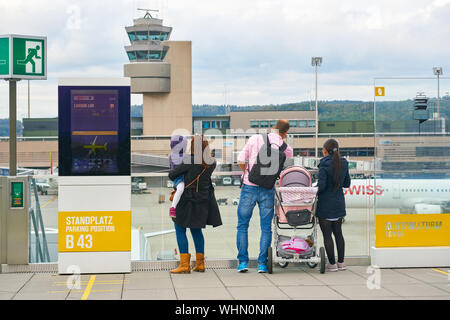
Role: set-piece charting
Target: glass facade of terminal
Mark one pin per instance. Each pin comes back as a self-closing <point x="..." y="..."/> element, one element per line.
<point x="216" y="124"/>
<point x="345" y="152"/>
<point x="292" y="123"/>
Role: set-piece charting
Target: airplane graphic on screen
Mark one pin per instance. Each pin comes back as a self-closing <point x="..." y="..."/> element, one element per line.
<point x="93" y="147"/>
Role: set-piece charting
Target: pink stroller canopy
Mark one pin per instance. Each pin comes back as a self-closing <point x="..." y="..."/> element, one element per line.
<point x="295" y="177"/>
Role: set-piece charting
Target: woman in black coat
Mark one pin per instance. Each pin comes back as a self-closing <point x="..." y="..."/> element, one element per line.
<point x="333" y="176"/>
<point x="197" y="206"/>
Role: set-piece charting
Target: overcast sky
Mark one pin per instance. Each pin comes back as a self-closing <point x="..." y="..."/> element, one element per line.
<point x="255" y="51"/>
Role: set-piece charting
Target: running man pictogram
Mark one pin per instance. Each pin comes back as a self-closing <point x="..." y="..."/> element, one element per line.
<point x="32" y="52"/>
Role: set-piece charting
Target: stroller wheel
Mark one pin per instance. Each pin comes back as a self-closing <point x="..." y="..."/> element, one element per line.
<point x="270" y="260"/>
<point x="283" y="264"/>
<point x="322" y="259"/>
<point x="312" y="265"/>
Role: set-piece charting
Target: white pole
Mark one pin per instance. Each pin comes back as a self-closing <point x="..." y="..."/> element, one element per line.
<point x="28" y="99"/>
<point x="438" y="98"/>
<point x="317" y="116"/>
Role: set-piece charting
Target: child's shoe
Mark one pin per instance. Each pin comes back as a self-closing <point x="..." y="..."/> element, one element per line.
<point x="172" y="212"/>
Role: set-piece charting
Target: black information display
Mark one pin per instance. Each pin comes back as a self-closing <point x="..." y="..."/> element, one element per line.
<point x="94" y="131"/>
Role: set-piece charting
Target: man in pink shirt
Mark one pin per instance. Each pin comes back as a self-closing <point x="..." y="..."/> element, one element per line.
<point x="252" y="194"/>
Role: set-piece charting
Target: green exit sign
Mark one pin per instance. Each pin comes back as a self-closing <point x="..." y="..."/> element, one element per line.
<point x="4" y="56"/>
<point x="17" y="194"/>
<point x="23" y="57"/>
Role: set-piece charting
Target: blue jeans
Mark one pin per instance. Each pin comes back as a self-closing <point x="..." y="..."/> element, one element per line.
<point x="182" y="240"/>
<point x="250" y="195"/>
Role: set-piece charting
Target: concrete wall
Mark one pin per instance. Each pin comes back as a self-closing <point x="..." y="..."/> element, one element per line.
<point x="148" y="77"/>
<point x="165" y="112"/>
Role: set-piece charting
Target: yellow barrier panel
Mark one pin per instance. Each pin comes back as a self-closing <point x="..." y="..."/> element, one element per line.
<point x="412" y="230"/>
<point x="94" y="231"/>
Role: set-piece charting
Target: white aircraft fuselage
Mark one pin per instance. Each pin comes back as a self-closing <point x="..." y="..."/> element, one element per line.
<point x="412" y="195"/>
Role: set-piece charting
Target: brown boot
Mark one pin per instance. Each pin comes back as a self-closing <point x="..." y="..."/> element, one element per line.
<point x="185" y="264"/>
<point x="200" y="263"/>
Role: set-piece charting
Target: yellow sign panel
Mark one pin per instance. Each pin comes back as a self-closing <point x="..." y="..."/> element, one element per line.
<point x="412" y="230"/>
<point x="379" y="91"/>
<point x="94" y="231"/>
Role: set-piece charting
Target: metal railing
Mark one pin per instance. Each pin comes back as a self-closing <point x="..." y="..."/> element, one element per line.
<point x="41" y="249"/>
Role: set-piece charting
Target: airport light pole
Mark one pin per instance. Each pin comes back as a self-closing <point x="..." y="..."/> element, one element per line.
<point x="437" y="72"/>
<point x="316" y="62"/>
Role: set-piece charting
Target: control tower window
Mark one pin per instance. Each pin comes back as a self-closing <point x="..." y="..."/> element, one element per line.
<point x="142" y="55"/>
<point x="155" y="55"/>
<point x="152" y="55"/>
<point x="132" y="55"/>
<point x="164" y="36"/>
<point x="142" y="35"/>
<point x="155" y="35"/>
<point x="132" y="36"/>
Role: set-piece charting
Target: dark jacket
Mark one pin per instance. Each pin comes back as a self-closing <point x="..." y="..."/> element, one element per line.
<point x="331" y="204"/>
<point x="197" y="207"/>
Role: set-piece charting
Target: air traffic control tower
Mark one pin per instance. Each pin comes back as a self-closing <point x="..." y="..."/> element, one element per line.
<point x="162" y="71"/>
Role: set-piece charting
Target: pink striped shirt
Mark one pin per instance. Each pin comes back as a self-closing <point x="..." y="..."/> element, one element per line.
<point x="251" y="149"/>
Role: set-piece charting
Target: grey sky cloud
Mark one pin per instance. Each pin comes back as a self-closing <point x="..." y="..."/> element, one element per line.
<point x="257" y="51"/>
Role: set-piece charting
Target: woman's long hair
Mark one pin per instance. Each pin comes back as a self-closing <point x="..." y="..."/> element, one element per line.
<point x="200" y="150"/>
<point x="332" y="148"/>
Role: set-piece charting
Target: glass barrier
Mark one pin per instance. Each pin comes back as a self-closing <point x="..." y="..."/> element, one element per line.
<point x="153" y="229"/>
<point x="412" y="149"/>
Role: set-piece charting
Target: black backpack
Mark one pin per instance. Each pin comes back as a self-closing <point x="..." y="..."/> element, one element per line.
<point x="264" y="172"/>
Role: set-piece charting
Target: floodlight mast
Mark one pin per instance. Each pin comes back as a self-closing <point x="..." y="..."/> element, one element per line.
<point x="316" y="62"/>
<point x="437" y="72"/>
<point x="147" y="12"/>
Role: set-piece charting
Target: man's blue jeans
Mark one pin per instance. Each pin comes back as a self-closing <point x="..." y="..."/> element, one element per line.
<point x="250" y="195"/>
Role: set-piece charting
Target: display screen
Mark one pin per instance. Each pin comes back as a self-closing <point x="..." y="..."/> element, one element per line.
<point x="94" y="131"/>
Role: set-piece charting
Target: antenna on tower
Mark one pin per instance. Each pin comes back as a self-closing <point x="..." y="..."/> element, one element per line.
<point x="147" y="12"/>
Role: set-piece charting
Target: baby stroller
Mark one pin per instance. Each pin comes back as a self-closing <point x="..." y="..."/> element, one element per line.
<point x="295" y="209"/>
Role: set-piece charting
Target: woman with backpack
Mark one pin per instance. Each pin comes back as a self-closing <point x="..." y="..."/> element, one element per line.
<point x="333" y="176"/>
<point x="197" y="206"/>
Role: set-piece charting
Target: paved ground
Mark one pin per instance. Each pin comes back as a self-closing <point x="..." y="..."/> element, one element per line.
<point x="294" y="282"/>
